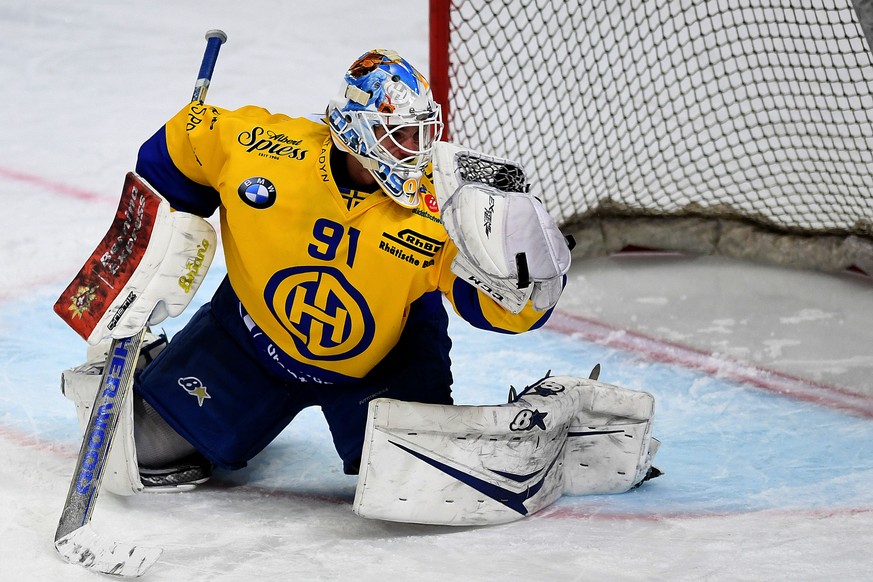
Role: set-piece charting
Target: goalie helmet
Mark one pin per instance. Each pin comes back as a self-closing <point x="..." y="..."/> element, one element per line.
<point x="385" y="116"/>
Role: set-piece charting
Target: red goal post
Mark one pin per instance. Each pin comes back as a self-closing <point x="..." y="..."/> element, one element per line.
<point x="742" y="129"/>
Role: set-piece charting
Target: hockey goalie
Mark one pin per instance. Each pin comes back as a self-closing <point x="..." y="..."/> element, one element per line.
<point x="346" y="235"/>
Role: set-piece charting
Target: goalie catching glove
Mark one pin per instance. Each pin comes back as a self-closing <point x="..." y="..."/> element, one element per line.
<point x="508" y="245"/>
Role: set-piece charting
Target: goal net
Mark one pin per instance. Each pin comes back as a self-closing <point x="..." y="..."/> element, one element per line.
<point x="734" y="127"/>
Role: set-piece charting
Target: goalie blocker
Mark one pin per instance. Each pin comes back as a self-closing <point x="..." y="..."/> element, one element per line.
<point x="148" y="267"/>
<point x="478" y="465"/>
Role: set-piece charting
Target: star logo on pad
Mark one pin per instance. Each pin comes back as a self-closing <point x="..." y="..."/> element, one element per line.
<point x="194" y="387"/>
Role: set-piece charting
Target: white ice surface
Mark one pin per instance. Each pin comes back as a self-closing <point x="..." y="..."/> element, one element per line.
<point x="762" y="376"/>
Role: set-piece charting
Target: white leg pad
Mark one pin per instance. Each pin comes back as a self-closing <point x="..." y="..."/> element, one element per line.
<point x="466" y="465"/>
<point x="609" y="444"/>
<point x="80" y="384"/>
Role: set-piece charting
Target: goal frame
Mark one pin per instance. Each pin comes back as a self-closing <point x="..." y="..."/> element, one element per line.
<point x="603" y="232"/>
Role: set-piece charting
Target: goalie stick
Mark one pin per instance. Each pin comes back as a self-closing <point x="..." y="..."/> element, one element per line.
<point x="75" y="539"/>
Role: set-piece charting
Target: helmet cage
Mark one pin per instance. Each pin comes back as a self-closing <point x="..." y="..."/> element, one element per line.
<point x="399" y="143"/>
<point x="387" y="119"/>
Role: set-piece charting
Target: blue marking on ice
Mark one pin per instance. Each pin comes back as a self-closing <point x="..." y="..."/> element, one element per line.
<point x="726" y="447"/>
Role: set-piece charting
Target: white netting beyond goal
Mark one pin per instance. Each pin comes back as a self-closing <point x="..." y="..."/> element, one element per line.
<point x="755" y="113"/>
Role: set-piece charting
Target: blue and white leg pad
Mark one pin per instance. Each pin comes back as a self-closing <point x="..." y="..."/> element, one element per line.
<point x="477" y="465"/>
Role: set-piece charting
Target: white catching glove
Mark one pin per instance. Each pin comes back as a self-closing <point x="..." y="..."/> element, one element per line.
<point x="508" y="245"/>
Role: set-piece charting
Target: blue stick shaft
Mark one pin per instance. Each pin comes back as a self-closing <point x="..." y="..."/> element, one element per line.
<point x="214" y="40"/>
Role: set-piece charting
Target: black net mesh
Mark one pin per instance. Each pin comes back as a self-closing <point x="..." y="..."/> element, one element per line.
<point x="500" y="174"/>
<point x="756" y="109"/>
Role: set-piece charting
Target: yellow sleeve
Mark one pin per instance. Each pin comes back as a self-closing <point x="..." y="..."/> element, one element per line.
<point x="478" y="309"/>
<point x="196" y="141"/>
<point x="194" y="144"/>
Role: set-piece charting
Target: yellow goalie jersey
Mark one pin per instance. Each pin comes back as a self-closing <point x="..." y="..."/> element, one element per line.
<point x="326" y="273"/>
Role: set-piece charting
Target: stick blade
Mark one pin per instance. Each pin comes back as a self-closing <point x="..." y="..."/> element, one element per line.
<point x="85" y="548"/>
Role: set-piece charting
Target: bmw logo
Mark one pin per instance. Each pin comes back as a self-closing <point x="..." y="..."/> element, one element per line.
<point x="257" y="192"/>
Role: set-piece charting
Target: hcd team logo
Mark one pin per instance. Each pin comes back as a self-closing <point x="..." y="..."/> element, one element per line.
<point x="257" y="192"/>
<point x="327" y="318"/>
<point x="195" y="387"/>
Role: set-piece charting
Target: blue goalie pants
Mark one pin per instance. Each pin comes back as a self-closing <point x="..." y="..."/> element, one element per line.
<point x="215" y="386"/>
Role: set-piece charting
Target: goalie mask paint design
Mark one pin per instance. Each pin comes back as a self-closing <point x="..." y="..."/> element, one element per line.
<point x="385" y="116"/>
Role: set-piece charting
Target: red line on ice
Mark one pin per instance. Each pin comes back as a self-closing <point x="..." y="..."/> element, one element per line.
<point x="569" y="512"/>
<point x="719" y="366"/>
<point x="56" y="187"/>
